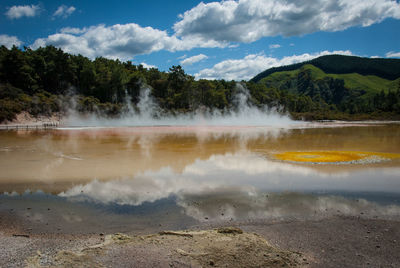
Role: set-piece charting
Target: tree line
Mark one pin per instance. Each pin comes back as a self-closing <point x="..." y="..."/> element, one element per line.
<point x="47" y="80"/>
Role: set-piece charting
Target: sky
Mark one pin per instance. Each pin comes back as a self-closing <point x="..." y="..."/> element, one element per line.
<point x="232" y="39"/>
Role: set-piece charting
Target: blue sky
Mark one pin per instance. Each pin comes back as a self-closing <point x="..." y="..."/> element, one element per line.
<point x="210" y="39"/>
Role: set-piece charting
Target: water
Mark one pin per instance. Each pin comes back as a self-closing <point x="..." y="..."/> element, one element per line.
<point x="136" y="177"/>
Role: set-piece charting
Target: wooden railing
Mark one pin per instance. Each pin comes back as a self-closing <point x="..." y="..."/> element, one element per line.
<point x="45" y="125"/>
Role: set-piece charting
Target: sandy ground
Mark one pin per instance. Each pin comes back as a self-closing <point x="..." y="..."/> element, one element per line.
<point x="336" y="241"/>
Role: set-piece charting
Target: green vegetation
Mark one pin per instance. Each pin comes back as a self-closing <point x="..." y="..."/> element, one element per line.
<point x="47" y="81"/>
<point x="368" y="91"/>
<point x="371" y="84"/>
<point x="338" y="64"/>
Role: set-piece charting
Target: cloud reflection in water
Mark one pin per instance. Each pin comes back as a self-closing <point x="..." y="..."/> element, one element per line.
<point x="245" y="185"/>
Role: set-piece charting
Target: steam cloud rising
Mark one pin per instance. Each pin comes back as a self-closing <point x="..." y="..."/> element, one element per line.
<point x="148" y="113"/>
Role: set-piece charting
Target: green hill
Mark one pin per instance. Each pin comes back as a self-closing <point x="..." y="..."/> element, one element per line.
<point x="332" y="85"/>
<point x="369" y="84"/>
<point x="339" y="64"/>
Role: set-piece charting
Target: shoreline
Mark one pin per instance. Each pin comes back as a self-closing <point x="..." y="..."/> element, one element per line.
<point x="25" y="120"/>
<point x="337" y="241"/>
<point x="298" y="124"/>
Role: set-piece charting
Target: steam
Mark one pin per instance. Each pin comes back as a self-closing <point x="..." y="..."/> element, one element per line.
<point x="148" y="113"/>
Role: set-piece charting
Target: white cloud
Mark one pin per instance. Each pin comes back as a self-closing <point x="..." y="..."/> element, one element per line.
<point x="393" y="54"/>
<point x="194" y="59"/>
<point x="122" y="41"/>
<point x="219" y="24"/>
<point x="16" y="12"/>
<point x="64" y="11"/>
<point x="251" y="65"/>
<point x="274" y="46"/>
<point x="182" y="57"/>
<point x="9" y="41"/>
<point x="117" y="41"/>
<point x="250" y="20"/>
<point x="147" y="66"/>
<point x="71" y="30"/>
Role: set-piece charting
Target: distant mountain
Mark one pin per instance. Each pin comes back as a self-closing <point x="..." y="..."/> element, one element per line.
<point x="339" y="64"/>
<point x="323" y="87"/>
<point x="311" y="80"/>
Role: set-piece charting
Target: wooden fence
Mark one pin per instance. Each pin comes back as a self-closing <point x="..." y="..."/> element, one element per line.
<point x="46" y="125"/>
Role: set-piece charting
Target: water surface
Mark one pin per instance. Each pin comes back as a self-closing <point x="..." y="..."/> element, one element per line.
<point x="198" y="174"/>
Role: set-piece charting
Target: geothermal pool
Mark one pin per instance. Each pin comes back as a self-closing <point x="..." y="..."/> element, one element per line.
<point x="140" y="178"/>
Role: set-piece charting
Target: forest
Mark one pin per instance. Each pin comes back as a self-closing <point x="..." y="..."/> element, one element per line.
<point x="47" y="80"/>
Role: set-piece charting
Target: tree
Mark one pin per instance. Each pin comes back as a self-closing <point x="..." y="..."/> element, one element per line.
<point x="178" y="93"/>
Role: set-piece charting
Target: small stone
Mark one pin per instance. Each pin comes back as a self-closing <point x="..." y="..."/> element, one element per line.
<point x="211" y="263"/>
<point x="229" y="230"/>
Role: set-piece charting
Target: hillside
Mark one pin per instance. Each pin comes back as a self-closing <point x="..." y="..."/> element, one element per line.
<point x="339" y="64"/>
<point x="370" y="84"/>
<point x="335" y="86"/>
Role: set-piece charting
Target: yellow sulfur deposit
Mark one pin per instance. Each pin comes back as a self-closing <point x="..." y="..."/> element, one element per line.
<point x="327" y="157"/>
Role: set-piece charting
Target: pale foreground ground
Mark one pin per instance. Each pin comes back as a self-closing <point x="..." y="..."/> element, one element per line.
<point x="338" y="241"/>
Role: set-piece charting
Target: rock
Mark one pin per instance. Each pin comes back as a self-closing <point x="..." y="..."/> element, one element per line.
<point x="182" y="252"/>
<point x="21" y="235"/>
<point x="175" y="233"/>
<point x="229" y="230"/>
